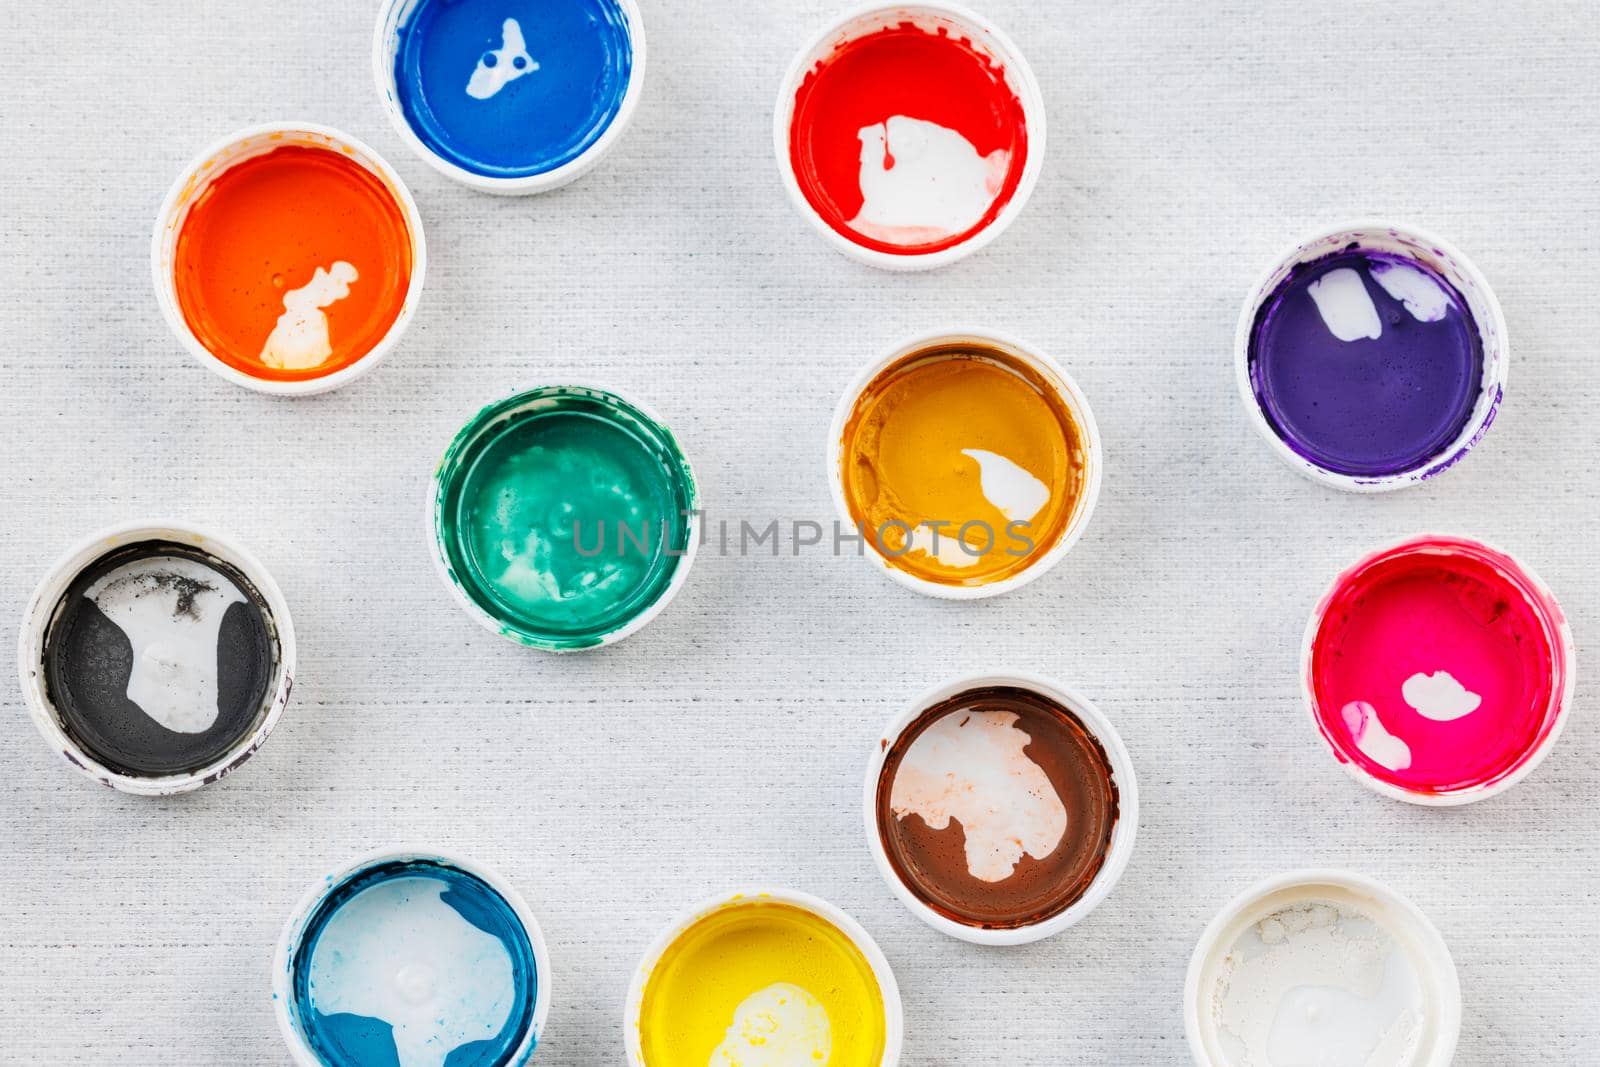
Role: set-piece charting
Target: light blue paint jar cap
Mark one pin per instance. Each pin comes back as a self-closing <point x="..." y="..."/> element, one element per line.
<point x="416" y="985"/>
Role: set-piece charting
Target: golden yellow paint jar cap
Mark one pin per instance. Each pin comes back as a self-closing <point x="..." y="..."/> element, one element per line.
<point x="1065" y="391"/>
<point x="888" y="988"/>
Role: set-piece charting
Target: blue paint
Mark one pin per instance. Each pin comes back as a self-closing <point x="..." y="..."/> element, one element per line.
<point x="554" y="109"/>
<point x="348" y="1040"/>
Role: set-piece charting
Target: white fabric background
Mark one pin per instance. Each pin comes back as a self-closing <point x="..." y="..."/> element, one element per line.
<point x="724" y="745"/>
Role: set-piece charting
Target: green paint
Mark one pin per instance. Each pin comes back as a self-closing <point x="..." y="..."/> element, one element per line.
<point x="562" y="514"/>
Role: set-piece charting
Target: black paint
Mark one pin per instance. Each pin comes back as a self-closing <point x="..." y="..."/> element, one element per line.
<point x="88" y="660"/>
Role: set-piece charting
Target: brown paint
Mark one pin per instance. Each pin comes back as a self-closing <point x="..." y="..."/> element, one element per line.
<point x="933" y="864"/>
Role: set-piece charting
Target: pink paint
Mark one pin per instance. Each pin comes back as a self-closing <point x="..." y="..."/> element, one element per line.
<point x="1439" y="667"/>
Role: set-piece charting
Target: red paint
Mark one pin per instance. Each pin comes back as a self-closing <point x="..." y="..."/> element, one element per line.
<point x="902" y="70"/>
<point x="1437" y="604"/>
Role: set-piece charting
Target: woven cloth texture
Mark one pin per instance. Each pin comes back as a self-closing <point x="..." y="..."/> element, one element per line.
<point x="723" y="746"/>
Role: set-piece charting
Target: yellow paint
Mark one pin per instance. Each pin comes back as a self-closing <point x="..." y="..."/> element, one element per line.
<point x="906" y="461"/>
<point x="697" y="986"/>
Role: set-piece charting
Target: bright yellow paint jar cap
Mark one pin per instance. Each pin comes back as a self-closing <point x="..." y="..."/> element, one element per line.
<point x="660" y="954"/>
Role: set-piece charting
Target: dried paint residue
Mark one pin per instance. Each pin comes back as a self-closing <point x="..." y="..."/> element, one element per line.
<point x="762" y="984"/>
<point x="1437" y="666"/>
<point x="293" y="264"/>
<point x="963" y="464"/>
<point x="1367" y="363"/>
<point x="996" y="807"/>
<point x="908" y="140"/>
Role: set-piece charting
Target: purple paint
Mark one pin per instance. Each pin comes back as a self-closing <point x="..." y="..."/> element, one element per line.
<point x="1366" y="363"/>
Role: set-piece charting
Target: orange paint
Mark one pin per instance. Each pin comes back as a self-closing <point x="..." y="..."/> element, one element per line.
<point x="262" y="229"/>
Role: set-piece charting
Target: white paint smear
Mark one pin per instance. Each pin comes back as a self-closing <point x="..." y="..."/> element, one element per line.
<point x="1438" y="696"/>
<point x="1419" y="291"/>
<point x="171" y="611"/>
<point x="1374" y="741"/>
<point x="921" y="182"/>
<point x="943" y="544"/>
<point x="1018" y="495"/>
<point x="300" y="340"/>
<point x="971" y="767"/>
<point x="779" y="1026"/>
<point x="501" y="66"/>
<point x="1345" y="305"/>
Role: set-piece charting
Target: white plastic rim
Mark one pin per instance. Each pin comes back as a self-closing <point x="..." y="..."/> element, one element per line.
<point x="870" y="18"/>
<point x="289" y="942"/>
<point x="1561" y="638"/>
<point x="1401" y="918"/>
<point x="1066" y="390"/>
<point x="232" y="150"/>
<point x="41" y="612"/>
<point x="1432" y="251"/>
<point x="893" y="1010"/>
<point x="497" y="626"/>
<point x="1123" y="833"/>
<point x="392" y="15"/>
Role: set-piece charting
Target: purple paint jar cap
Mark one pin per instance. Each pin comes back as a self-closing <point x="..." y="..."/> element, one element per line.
<point x="1431" y="251"/>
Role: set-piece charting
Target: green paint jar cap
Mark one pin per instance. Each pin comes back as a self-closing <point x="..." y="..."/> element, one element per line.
<point x="564" y="517"/>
